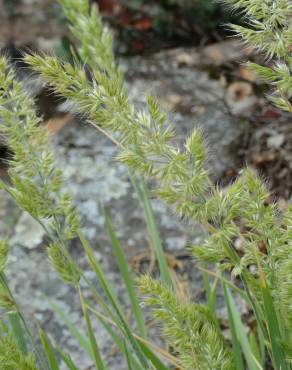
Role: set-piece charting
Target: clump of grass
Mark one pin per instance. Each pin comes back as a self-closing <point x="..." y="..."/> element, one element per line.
<point x="145" y="142"/>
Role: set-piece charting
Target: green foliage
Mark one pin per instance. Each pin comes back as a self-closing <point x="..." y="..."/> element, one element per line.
<point x="11" y="357"/>
<point x="5" y="299"/>
<point x="63" y="265"/>
<point x="189" y="328"/>
<point x="145" y="140"/>
<point x="36" y="186"/>
<point x="143" y="136"/>
<point x="271" y="34"/>
<point x="3" y="253"/>
<point x="86" y="22"/>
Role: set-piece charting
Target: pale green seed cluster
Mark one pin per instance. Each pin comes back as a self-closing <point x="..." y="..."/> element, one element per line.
<point x="3" y="253"/>
<point x="241" y="213"/>
<point x="35" y="183"/>
<point x="270" y="32"/>
<point x="11" y="357"/>
<point x="146" y="145"/>
<point x="189" y="328"/>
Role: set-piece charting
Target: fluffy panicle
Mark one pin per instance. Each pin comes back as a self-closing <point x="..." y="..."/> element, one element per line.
<point x="96" y="51"/>
<point x="270" y="32"/>
<point x="241" y="212"/>
<point x="189" y="328"/>
<point x="144" y="137"/>
<point x="3" y="253"/>
<point x="11" y="357"/>
<point x="63" y="265"/>
<point x="35" y="183"/>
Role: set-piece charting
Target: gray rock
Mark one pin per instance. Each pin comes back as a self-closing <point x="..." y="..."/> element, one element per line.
<point x="27" y="233"/>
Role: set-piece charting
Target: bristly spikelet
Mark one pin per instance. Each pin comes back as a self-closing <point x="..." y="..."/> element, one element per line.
<point x="63" y="264"/>
<point x="6" y="300"/>
<point x="189" y="328"/>
<point x="4" y="247"/>
<point x="281" y="262"/>
<point x="67" y="216"/>
<point x="145" y="139"/>
<point x="270" y="32"/>
<point x="85" y="23"/>
<point x="31" y="162"/>
<point x="35" y="183"/>
<point x="11" y="357"/>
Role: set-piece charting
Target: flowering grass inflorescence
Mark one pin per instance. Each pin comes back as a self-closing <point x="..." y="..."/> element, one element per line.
<point x="242" y="212"/>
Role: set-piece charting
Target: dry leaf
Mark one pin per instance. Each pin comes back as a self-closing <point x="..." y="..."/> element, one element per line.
<point x="260" y="158"/>
<point x="223" y="52"/>
<point x="54" y="125"/>
<point x="247" y="74"/>
<point x="143" y="24"/>
<point x="173" y="262"/>
<point x="238" y="91"/>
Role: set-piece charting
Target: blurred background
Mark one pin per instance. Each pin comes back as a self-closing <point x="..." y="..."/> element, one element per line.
<point x="141" y="26"/>
<point x="181" y="51"/>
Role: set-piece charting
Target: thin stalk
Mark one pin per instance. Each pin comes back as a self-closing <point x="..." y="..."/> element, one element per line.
<point x="152" y="229"/>
<point x="18" y="323"/>
<point x="166" y="355"/>
<point x="127" y="277"/>
<point x="112" y="299"/>
<point x="94" y="346"/>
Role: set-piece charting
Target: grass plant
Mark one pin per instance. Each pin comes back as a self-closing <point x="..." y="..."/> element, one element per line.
<point x="145" y="140"/>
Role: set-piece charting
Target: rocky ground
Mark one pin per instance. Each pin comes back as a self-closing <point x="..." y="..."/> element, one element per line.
<point x="30" y="23"/>
<point x="197" y="88"/>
